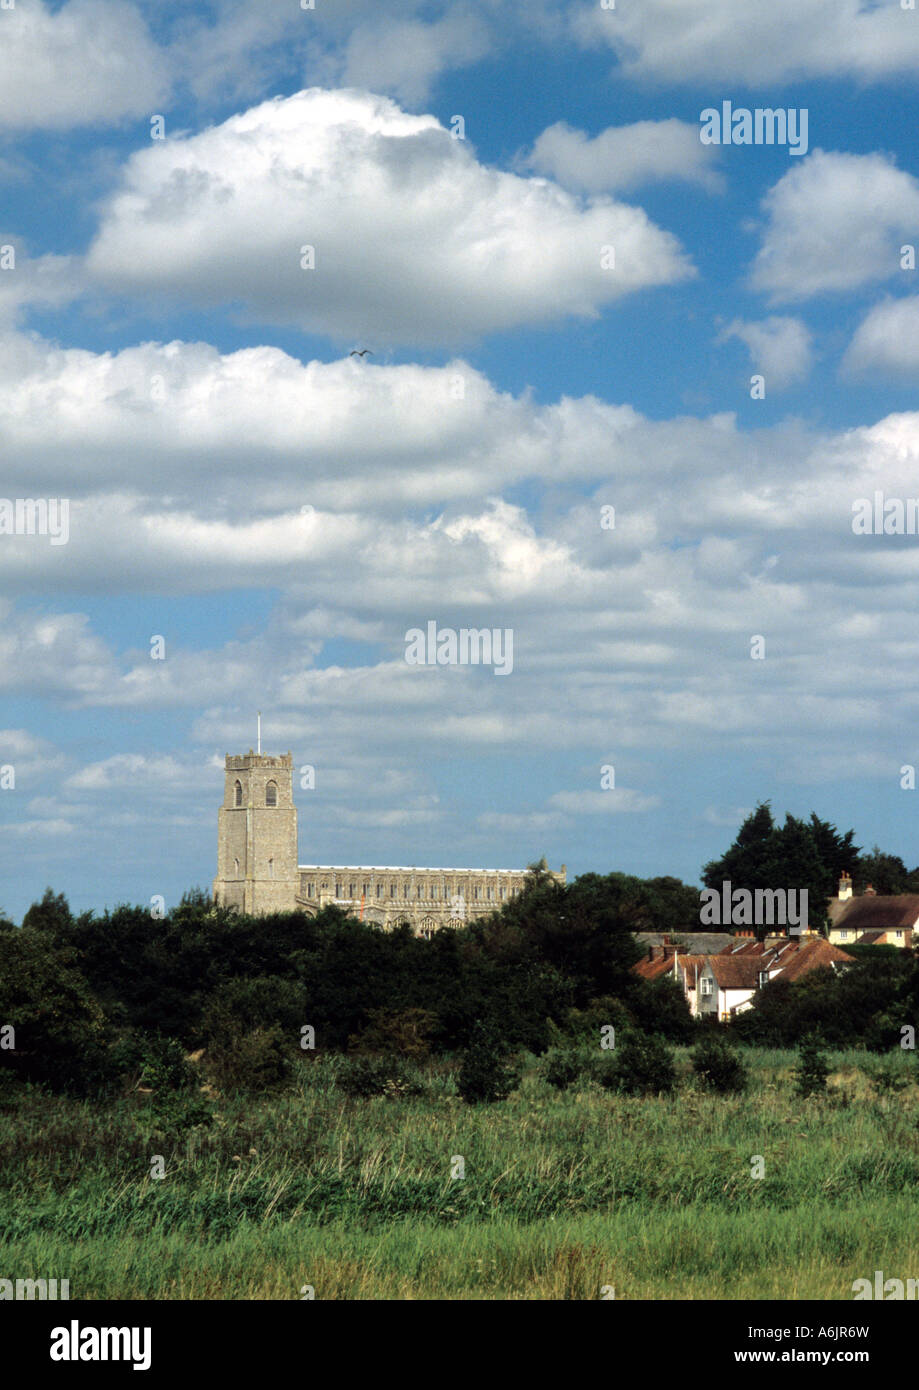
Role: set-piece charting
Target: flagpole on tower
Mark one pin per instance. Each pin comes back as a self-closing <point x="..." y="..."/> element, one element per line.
<point x="260" y="731"/>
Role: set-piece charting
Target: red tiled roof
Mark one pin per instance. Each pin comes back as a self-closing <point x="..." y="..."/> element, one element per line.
<point x="813" y="955"/>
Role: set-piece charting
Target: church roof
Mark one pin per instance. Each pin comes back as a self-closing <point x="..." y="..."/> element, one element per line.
<point x="400" y="869"/>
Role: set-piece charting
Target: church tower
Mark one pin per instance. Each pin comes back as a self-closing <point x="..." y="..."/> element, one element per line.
<point x="257" y="835"/>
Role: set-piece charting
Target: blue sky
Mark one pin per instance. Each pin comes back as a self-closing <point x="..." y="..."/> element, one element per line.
<point x="281" y="514"/>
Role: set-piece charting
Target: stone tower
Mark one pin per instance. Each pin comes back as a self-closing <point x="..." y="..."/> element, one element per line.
<point x="257" y="835"/>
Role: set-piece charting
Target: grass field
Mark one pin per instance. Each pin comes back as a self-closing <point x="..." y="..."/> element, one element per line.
<point x="565" y="1194"/>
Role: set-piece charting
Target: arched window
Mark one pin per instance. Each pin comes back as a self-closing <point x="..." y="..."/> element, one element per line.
<point x="236" y="868"/>
<point x="271" y="794"/>
<point x="238" y="793"/>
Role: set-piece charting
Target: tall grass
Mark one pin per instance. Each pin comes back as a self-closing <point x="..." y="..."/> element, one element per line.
<point x="564" y="1193"/>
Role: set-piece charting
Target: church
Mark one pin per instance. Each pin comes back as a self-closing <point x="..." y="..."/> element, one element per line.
<point x="258" y="869"/>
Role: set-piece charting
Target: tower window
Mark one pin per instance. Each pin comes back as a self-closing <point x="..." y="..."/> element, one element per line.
<point x="271" y="868"/>
<point x="236" y="868"/>
<point x="271" y="794"/>
<point x="238" y="793"/>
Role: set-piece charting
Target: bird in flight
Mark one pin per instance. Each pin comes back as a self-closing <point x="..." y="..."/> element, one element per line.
<point x="354" y="352"/>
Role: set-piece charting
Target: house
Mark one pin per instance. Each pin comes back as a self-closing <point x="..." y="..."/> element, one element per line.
<point x="723" y="984"/>
<point x="872" y="919"/>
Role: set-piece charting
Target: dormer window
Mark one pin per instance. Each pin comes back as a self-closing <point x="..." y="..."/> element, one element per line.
<point x="271" y="794"/>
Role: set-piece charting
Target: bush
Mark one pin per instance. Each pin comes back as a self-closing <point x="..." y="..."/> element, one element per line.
<point x="253" y="1059"/>
<point x="717" y="1066"/>
<point x="483" y="1075"/>
<point x="362" y="1077"/>
<point x="560" y="1067"/>
<point x="887" y="1077"/>
<point x="812" y="1070"/>
<point x="407" y="1033"/>
<point x="641" y="1066"/>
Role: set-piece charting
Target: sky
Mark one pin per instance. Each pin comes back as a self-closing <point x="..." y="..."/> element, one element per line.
<point x="624" y="393"/>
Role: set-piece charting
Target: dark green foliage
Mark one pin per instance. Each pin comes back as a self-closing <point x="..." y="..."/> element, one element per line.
<point x="641" y="1065"/>
<point x="253" y="1060"/>
<point x="51" y="915"/>
<point x="364" y="1076"/>
<point x="484" y="1077"/>
<point x="812" y="1068"/>
<point x="866" y="1003"/>
<point x="561" y="1067"/>
<point x="717" y="1065"/>
<point x="887" y="1078"/>
<point x="58" y="1027"/>
<point x="800" y="854"/>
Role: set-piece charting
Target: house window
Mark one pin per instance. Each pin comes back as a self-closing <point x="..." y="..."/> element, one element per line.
<point x="706" y="985"/>
<point x="899" y="936"/>
<point x="238" y="793"/>
<point x="271" y="794"/>
<point x="763" y="978"/>
<point x="843" y="936"/>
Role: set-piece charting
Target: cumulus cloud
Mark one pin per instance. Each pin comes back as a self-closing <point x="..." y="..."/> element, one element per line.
<point x="835" y="222"/>
<point x="624" y="157"/>
<point x="90" y="62"/>
<point x="887" y="339"/>
<point x="413" y="240"/>
<point x="404" y="57"/>
<point x="780" y="348"/>
<point x="717" y="40"/>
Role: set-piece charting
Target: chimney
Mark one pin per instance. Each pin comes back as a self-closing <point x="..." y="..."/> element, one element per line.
<point x="845" y="887"/>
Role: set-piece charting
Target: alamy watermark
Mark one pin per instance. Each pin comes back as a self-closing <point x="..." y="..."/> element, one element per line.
<point x="26" y="1290"/>
<point x="468" y="646"/>
<point x="885" y="516"/>
<point x="756" y="907"/>
<point x="761" y="126"/>
<point x="36" y="516"/>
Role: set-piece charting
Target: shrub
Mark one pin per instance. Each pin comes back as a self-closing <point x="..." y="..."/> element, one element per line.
<point x="812" y="1070"/>
<point x="483" y="1075"/>
<point x="887" y="1078"/>
<point x="642" y="1065"/>
<point x="253" y="1059"/>
<point x="407" y="1032"/>
<point x="560" y="1067"/>
<point x="717" y="1066"/>
<point x="362" y="1077"/>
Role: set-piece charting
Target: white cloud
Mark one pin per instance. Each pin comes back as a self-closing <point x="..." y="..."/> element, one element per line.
<point x="616" y="801"/>
<point x="404" y="57"/>
<point x="718" y="40"/>
<point x="887" y="339"/>
<point x="415" y="241"/>
<point x="624" y="157"/>
<point x="90" y="62"/>
<point x="780" y="348"/>
<point x="835" y="222"/>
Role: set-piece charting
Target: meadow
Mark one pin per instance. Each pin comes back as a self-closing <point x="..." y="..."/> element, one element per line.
<point x="565" y="1194"/>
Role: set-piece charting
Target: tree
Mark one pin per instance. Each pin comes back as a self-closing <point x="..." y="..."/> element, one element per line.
<point x="717" y="1065"/>
<point x="57" y="1026"/>
<point x="802" y="855"/>
<point x="483" y="1075"/>
<point x="51" y="915"/>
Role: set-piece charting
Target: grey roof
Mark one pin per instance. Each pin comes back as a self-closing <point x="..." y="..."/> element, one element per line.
<point x="697" y="943"/>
